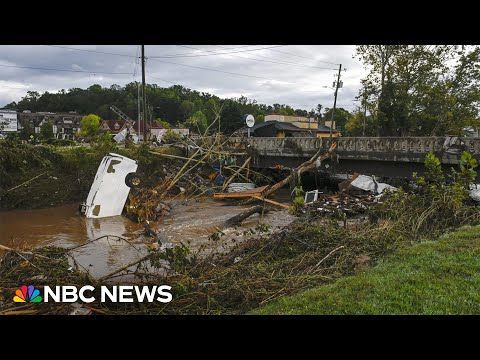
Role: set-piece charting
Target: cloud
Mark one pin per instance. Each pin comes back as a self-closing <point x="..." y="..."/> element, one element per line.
<point x="293" y="75"/>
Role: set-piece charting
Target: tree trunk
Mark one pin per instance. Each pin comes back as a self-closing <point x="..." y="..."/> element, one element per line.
<point x="237" y="219"/>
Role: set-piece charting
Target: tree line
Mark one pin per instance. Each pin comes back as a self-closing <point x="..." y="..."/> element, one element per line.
<point x="172" y="106"/>
<point x="418" y="90"/>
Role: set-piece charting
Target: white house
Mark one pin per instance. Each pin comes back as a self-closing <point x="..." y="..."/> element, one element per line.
<point x="8" y="121"/>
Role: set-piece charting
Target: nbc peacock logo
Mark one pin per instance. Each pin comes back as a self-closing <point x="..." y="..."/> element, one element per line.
<point x="27" y="294"/>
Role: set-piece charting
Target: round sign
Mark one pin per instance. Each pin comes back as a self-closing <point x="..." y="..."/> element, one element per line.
<point x="249" y="120"/>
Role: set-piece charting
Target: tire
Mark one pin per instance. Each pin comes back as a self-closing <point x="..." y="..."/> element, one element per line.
<point x="132" y="180"/>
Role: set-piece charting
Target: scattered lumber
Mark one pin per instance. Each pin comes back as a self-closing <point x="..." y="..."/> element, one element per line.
<point x="306" y="166"/>
<point x="243" y="194"/>
<point x="271" y="202"/>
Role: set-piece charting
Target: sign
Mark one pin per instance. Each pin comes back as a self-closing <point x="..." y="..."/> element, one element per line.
<point x="250" y="120"/>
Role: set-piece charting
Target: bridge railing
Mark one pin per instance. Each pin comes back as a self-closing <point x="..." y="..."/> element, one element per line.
<point x="390" y="145"/>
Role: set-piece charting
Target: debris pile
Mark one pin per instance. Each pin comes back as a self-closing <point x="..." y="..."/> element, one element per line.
<point x="343" y="203"/>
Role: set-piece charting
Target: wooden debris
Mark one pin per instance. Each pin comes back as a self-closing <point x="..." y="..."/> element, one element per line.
<point x="237" y="219"/>
<point x="271" y="202"/>
<point x="243" y="194"/>
<point x="342" y="202"/>
<point x="306" y="166"/>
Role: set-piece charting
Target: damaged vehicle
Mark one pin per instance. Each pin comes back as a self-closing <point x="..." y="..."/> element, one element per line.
<point x="115" y="176"/>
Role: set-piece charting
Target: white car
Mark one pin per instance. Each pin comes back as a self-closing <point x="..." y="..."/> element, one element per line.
<point x="111" y="186"/>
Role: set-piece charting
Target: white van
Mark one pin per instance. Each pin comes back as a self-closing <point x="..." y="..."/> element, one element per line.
<point x="111" y="186"/>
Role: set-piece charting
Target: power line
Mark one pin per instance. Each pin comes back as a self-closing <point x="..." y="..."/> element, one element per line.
<point x="88" y="50"/>
<point x="278" y="61"/>
<point x="154" y="77"/>
<point x="304" y="57"/>
<point x="64" y="70"/>
<point x="216" y="70"/>
<point x="215" y="53"/>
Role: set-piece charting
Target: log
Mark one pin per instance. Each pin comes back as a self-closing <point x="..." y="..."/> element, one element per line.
<point x="307" y="165"/>
<point x="243" y="194"/>
<point x="237" y="219"/>
<point x="272" y="202"/>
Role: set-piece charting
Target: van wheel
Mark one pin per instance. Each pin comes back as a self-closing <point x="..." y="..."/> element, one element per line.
<point x="133" y="180"/>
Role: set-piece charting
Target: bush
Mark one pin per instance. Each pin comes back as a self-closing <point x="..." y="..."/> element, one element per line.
<point x="61" y="142"/>
<point x="171" y="137"/>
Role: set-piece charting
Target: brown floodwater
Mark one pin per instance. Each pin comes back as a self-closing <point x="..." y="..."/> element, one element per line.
<point x="63" y="226"/>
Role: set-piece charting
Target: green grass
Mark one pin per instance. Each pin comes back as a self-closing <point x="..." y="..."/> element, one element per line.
<point x="433" y="277"/>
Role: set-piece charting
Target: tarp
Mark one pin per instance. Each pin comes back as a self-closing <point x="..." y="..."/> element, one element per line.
<point x="368" y="183"/>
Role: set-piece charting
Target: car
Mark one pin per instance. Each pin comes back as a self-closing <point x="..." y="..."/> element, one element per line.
<point x="115" y="176"/>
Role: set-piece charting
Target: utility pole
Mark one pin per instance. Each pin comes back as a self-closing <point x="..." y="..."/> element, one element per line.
<point x="139" y="117"/>
<point x="364" y="112"/>
<point x="335" y="100"/>
<point x="144" y="118"/>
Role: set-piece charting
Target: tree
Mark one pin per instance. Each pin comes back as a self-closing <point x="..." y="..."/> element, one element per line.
<point x="164" y="124"/>
<point x="186" y="108"/>
<point x="341" y="117"/>
<point x="46" y="130"/>
<point x="197" y="122"/>
<point x="90" y="125"/>
<point x="26" y="131"/>
<point x="231" y="117"/>
<point x="421" y="90"/>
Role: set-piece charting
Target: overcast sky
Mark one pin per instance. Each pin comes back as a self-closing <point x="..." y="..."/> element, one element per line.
<point x="295" y="75"/>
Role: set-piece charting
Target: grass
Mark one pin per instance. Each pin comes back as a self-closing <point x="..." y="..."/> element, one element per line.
<point x="432" y="277"/>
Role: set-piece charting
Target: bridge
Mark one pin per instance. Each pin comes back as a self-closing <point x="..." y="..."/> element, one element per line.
<point x="386" y="156"/>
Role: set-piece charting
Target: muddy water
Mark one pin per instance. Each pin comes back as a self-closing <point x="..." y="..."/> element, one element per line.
<point x="64" y="226"/>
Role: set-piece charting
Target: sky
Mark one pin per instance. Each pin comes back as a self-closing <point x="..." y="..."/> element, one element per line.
<point x="297" y="75"/>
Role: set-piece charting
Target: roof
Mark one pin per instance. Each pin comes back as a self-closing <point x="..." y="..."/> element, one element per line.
<point x="288" y="126"/>
<point x="154" y="125"/>
<point x="324" y="128"/>
<point x="111" y="123"/>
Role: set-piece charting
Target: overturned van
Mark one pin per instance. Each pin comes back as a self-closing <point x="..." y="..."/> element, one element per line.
<point x="111" y="186"/>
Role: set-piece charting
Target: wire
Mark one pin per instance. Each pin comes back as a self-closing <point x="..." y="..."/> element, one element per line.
<point x="216" y="70"/>
<point x="64" y="70"/>
<point x="215" y="53"/>
<point x="303" y="57"/>
<point x="281" y="62"/>
<point x="88" y="50"/>
<point x="137" y="62"/>
<point x="154" y="77"/>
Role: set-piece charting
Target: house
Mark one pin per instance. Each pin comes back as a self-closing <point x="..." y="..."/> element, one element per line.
<point x="65" y="125"/>
<point x="278" y="129"/>
<point x="113" y="126"/>
<point x="8" y="121"/>
<point x="303" y="123"/>
<point x="298" y="121"/>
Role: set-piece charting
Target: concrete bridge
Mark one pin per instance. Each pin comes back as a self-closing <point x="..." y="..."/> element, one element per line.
<point x="387" y="156"/>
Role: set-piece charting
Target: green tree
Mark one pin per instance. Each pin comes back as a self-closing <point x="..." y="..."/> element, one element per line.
<point x="164" y="124"/>
<point x="197" y="122"/>
<point x="421" y="90"/>
<point x="46" y="130"/>
<point x="341" y="117"/>
<point x="90" y="125"/>
<point x="186" y="108"/>
<point x="26" y="131"/>
<point x="467" y="174"/>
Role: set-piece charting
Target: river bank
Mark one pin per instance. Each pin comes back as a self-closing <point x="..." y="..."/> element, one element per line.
<point x="43" y="176"/>
<point x="264" y="263"/>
